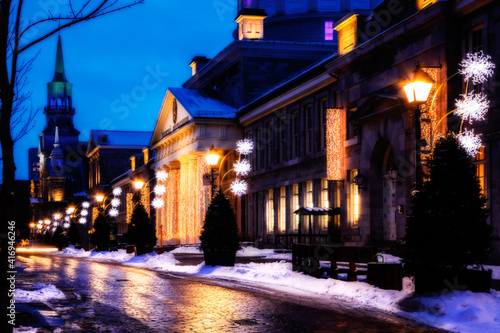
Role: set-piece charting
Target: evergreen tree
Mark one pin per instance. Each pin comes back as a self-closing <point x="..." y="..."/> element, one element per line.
<point x="220" y="230"/>
<point x="74" y="234"/>
<point x="100" y="236"/>
<point x="447" y="229"/>
<point x="59" y="239"/>
<point x="141" y="230"/>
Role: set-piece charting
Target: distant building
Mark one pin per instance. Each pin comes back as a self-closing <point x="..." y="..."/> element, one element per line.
<point x="62" y="162"/>
<point x="33" y="165"/>
<point x="110" y="154"/>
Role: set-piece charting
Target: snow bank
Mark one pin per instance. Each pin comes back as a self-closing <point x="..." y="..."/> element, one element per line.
<point x="24" y="329"/>
<point x="152" y="260"/>
<point x="41" y="292"/>
<point x="187" y="249"/>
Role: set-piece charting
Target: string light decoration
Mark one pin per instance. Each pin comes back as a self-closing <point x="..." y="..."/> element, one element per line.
<point x="239" y="186"/>
<point x="242" y="167"/>
<point x="244" y="147"/>
<point x="113" y="212"/>
<point x="117" y="191"/>
<point x="476" y="67"/>
<point x="472" y="106"/>
<point x="160" y="190"/>
<point x="334" y="143"/>
<point x="157" y="203"/>
<point x="161" y="175"/>
<point x="470" y="142"/>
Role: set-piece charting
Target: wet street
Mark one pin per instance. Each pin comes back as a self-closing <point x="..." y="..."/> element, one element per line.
<point x="102" y="297"/>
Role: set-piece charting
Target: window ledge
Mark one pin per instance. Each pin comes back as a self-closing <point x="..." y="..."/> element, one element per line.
<point x="351" y="142"/>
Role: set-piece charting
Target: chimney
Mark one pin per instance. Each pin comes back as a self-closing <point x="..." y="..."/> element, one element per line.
<point x="198" y="63"/>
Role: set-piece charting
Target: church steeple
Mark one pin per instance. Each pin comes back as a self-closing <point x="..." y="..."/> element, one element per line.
<point x="59" y="75"/>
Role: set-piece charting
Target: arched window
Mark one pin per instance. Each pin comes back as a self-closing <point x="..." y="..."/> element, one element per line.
<point x="52" y="101"/>
<point x="62" y="101"/>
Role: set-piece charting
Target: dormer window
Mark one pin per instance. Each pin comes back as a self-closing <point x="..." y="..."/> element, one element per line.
<point x="347" y="34"/>
<point x="251" y="23"/>
<point x="421" y="4"/>
<point x="102" y="139"/>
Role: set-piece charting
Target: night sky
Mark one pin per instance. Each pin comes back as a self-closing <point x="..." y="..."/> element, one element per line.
<point x="122" y="64"/>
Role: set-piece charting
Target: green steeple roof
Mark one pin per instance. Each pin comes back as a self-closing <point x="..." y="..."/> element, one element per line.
<point x="59" y="75"/>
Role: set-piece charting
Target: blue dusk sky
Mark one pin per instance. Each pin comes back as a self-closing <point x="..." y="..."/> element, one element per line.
<point x="121" y="65"/>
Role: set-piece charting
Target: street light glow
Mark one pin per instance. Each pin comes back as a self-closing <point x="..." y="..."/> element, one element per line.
<point x="212" y="157"/>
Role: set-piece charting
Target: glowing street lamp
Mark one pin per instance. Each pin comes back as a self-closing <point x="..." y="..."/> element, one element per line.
<point x="212" y="159"/>
<point x="419" y="88"/>
<point x="417" y="92"/>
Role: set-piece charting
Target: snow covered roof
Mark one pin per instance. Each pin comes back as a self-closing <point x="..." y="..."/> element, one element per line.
<point x="102" y="138"/>
<point x="202" y="104"/>
<point x="121" y="138"/>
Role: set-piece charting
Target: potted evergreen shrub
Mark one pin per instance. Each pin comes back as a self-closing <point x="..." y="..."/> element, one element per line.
<point x="447" y="230"/>
<point x="100" y="236"/>
<point x="74" y="235"/>
<point x="220" y="238"/>
<point x="141" y="231"/>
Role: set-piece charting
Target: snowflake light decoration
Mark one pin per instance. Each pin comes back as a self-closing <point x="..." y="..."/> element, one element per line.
<point x="66" y="225"/>
<point x="161" y="175"/>
<point x="239" y="187"/>
<point x="84" y="212"/>
<point x="85" y="204"/>
<point x="113" y="212"/>
<point x="157" y="203"/>
<point x="160" y="189"/>
<point x="472" y="106"/>
<point x="470" y="142"/>
<point x="115" y="202"/>
<point x="66" y="218"/>
<point x="82" y="220"/>
<point x="477" y="67"/>
<point x="244" y="147"/>
<point x="242" y="167"/>
<point x="117" y="191"/>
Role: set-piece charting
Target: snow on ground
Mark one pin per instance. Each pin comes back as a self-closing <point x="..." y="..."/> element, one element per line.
<point x="41" y="292"/>
<point x="458" y="311"/>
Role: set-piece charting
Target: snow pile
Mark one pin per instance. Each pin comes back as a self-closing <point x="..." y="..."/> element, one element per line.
<point x="41" y="293"/>
<point x="459" y="311"/>
<point x="152" y="260"/>
<point x="70" y="251"/>
<point x="120" y="256"/>
<point x="250" y="251"/>
<point x="187" y="249"/>
<point x="24" y="329"/>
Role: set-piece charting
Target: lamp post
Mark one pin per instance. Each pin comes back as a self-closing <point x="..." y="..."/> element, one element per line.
<point x="417" y="92"/>
<point x="212" y="159"/>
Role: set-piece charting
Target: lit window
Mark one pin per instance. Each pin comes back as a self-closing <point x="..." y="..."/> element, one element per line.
<point x="329" y="30"/>
<point x="282" y="216"/>
<point x="309" y="194"/>
<point x="295" y="204"/>
<point x="481" y="175"/>
<point x="270" y="212"/>
<point x="325" y="203"/>
<point x="353" y="204"/>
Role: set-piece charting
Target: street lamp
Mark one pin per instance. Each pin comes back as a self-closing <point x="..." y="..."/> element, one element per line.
<point x="417" y="92"/>
<point x="212" y="159"/>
